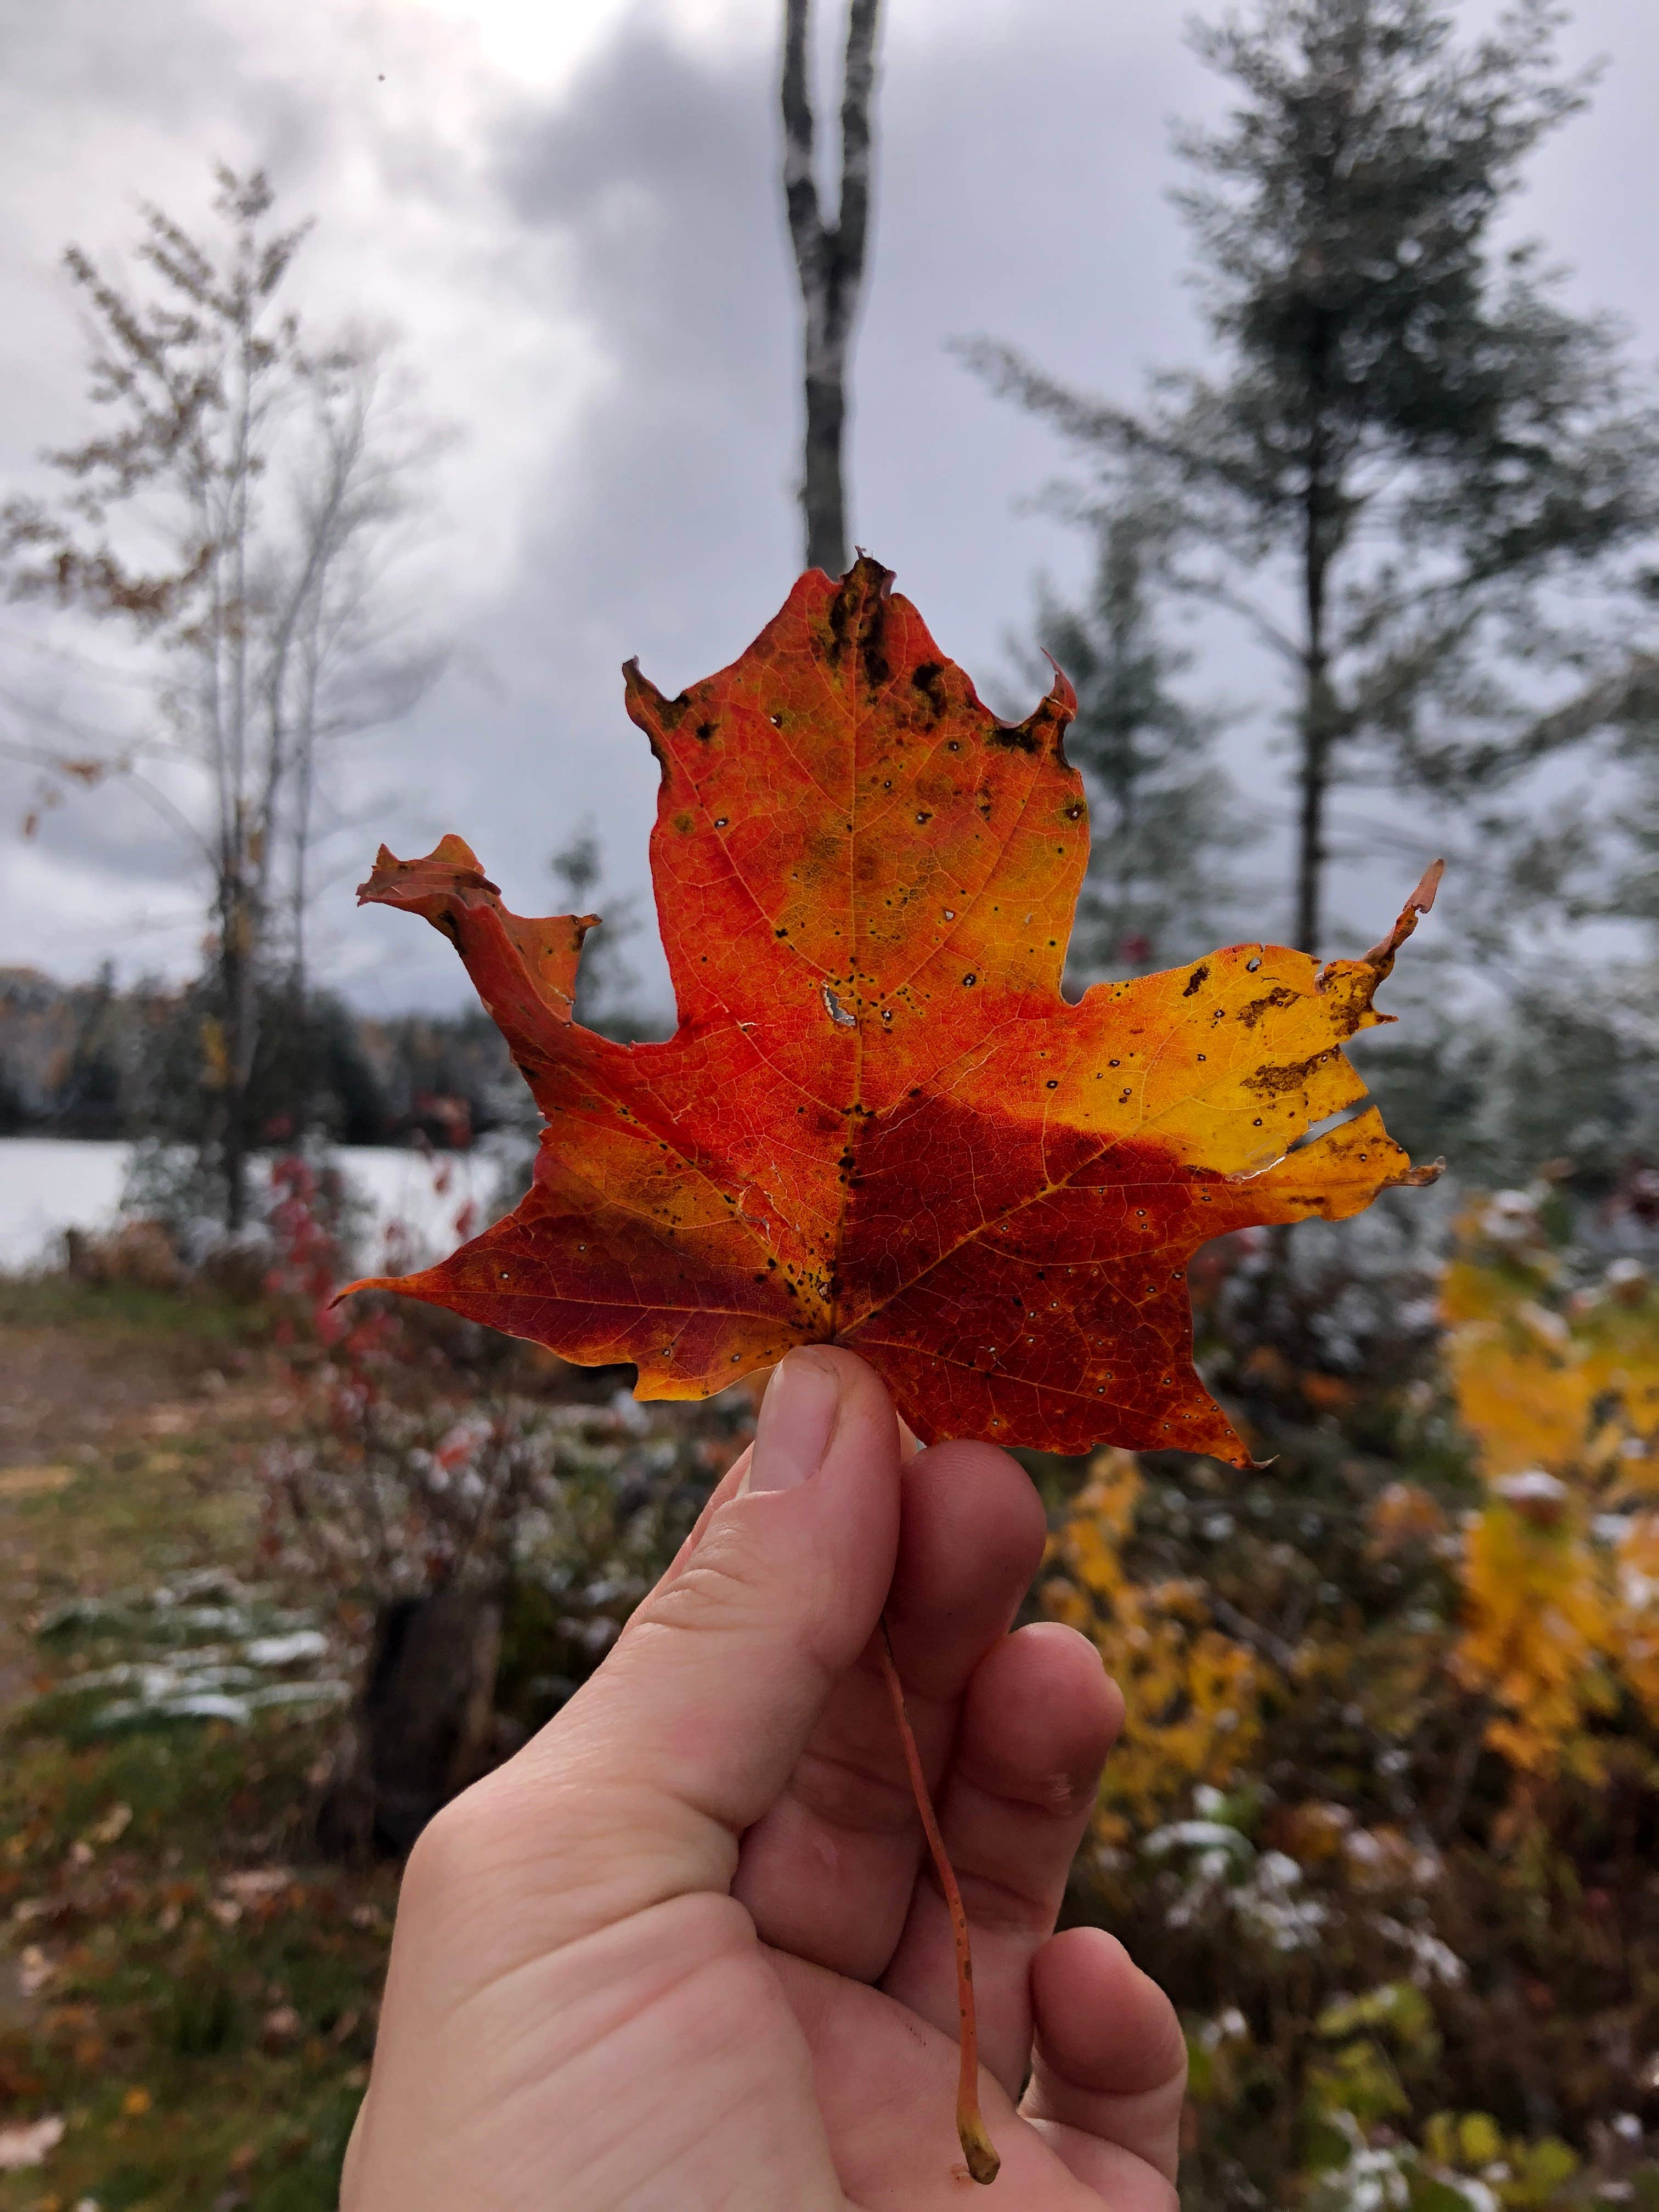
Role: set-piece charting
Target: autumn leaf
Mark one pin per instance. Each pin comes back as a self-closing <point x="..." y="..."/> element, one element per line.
<point x="879" y="1123"/>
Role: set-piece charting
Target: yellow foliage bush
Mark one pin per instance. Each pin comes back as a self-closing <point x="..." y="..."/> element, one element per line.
<point x="1541" y="1630"/>
<point x="1192" y="1695"/>
<point x="1560" y="1567"/>
<point x="1568" y="1384"/>
<point x="1418" y="1661"/>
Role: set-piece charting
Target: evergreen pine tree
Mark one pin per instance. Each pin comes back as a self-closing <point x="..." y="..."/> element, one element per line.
<point x="1408" y="446"/>
<point x="1161" y="814"/>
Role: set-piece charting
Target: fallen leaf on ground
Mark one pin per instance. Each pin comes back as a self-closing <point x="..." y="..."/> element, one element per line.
<point x="33" y="1481"/>
<point x="113" y="1826"/>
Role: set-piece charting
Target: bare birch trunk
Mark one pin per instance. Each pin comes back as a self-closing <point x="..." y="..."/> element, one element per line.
<point x="830" y="260"/>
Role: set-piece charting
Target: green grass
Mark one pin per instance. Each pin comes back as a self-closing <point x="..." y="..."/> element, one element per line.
<point x="204" y="2037"/>
<point x="201" y="1321"/>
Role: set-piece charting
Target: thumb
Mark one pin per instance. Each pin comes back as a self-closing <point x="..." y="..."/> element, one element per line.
<point x="693" y="1726"/>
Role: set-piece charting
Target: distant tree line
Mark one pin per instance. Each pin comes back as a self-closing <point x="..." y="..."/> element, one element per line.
<point x="94" y="1061"/>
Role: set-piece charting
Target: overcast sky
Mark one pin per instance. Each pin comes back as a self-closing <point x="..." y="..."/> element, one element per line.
<point x="571" y="213"/>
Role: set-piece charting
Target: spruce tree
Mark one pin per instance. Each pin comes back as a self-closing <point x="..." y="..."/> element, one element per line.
<point x="1409" y="450"/>
<point x="1161" y="816"/>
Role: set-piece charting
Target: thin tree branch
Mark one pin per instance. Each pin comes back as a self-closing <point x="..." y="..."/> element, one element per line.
<point x="853" y="216"/>
<point x="800" y="191"/>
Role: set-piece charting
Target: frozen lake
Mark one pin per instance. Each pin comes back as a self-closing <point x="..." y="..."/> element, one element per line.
<point x="49" y="1184"/>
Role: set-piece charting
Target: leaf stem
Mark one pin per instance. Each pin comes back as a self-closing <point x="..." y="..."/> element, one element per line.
<point x="977" y="2148"/>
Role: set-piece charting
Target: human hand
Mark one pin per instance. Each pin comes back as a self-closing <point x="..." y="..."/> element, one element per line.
<point x="683" y="1952"/>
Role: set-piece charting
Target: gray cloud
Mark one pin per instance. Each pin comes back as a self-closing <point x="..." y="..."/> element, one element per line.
<point x="597" y="284"/>
<point x="669" y="527"/>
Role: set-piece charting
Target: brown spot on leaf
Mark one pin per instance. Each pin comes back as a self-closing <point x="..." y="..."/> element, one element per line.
<point x="1271" y="1082"/>
<point x="1013" y="737"/>
<point x="929" y="678"/>
<point x="1278" y="996"/>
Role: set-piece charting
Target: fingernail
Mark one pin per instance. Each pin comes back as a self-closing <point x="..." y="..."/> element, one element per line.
<point x="796" y="1416"/>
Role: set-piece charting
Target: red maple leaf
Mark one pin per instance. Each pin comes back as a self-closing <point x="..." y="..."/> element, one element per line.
<point x="879" y="1123"/>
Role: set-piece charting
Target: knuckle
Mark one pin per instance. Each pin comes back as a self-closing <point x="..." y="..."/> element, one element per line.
<point x="727" y="1584"/>
<point x="446" y="1854"/>
<point x="736" y="1587"/>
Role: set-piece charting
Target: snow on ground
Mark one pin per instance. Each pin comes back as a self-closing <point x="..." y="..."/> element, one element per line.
<point x="49" y="1184"/>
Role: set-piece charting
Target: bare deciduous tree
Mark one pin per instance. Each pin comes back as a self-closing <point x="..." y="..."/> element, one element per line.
<point x="237" y="513"/>
<point x="830" y="259"/>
